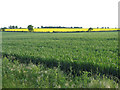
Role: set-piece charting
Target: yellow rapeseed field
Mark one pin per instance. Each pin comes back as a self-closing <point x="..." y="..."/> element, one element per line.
<point x="58" y="30"/>
<point x="111" y="29"/>
<point x="17" y="30"/>
<point x="62" y="29"/>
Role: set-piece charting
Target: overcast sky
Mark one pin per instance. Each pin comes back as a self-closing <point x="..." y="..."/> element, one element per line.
<point x="83" y="13"/>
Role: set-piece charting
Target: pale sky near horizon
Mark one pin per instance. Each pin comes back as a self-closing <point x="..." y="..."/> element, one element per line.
<point x="82" y="13"/>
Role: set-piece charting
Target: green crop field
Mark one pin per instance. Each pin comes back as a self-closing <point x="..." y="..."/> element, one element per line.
<point x="60" y="60"/>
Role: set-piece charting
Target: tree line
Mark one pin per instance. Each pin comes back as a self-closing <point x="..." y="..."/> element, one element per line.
<point x="11" y="27"/>
<point x="30" y="27"/>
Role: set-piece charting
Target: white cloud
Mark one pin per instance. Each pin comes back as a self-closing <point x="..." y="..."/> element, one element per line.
<point x="86" y="13"/>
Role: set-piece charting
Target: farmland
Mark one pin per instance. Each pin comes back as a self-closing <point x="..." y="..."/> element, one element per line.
<point x="62" y="29"/>
<point x="54" y="60"/>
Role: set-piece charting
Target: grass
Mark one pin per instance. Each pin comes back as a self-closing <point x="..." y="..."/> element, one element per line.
<point x="75" y="59"/>
<point x="16" y="75"/>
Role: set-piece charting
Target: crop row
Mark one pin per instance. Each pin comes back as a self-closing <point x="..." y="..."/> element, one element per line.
<point x="83" y="51"/>
<point x="17" y="75"/>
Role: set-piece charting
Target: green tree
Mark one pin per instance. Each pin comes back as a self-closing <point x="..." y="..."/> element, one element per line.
<point x="90" y="29"/>
<point x="30" y="28"/>
<point x="16" y="27"/>
<point x="13" y="27"/>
